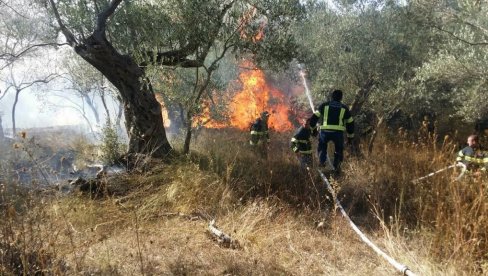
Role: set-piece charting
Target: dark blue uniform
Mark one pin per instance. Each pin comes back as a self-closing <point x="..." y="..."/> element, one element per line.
<point x="334" y="119"/>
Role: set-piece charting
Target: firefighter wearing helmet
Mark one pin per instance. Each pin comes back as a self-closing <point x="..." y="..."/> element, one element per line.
<point x="259" y="134"/>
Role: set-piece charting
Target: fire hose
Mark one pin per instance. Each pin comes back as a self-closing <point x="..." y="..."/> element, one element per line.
<point x="459" y="165"/>
<point x="400" y="267"/>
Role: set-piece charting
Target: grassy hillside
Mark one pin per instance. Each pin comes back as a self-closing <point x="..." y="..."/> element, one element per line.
<point x="156" y="222"/>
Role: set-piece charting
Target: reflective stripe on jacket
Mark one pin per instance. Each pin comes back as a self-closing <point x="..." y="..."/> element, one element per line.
<point x="259" y="132"/>
<point x="473" y="159"/>
<point x="300" y="142"/>
<point x="334" y="116"/>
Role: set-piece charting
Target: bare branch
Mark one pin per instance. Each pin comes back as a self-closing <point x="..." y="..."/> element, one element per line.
<point x="14" y="10"/>
<point x="16" y="55"/>
<point x="47" y="79"/>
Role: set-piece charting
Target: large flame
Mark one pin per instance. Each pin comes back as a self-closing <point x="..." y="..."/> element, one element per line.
<point x="255" y="97"/>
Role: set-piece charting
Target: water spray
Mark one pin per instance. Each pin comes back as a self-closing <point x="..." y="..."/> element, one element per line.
<point x="307" y="91"/>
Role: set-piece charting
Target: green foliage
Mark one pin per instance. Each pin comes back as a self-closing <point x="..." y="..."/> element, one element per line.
<point x="459" y="69"/>
<point x="345" y="50"/>
<point x="111" y="147"/>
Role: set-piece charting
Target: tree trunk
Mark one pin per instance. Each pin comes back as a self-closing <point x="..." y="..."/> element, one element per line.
<point x="107" y="112"/>
<point x="119" y="115"/>
<point x="142" y="111"/>
<point x="186" y="146"/>
<point x="360" y="98"/>
<point x="90" y="103"/>
<point x="1" y="129"/>
<point x="14" y="106"/>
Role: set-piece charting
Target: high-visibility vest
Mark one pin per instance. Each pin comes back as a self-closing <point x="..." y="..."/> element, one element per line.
<point x="334" y="118"/>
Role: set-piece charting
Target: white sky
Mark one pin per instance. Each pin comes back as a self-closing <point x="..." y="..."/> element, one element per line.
<point x="46" y="104"/>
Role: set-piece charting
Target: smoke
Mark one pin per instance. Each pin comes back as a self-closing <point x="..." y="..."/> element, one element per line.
<point x="30" y="113"/>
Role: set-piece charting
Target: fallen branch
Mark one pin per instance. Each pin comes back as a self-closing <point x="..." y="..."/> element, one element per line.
<point x="222" y="238"/>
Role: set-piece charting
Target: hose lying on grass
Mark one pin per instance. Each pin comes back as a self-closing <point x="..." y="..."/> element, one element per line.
<point x="459" y="165"/>
<point x="400" y="267"/>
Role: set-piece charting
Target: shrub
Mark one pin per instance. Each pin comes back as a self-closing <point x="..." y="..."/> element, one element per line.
<point x="111" y="147"/>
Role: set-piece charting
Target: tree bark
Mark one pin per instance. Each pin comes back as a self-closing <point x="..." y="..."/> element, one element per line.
<point x="360" y="98"/>
<point x="142" y="111"/>
<point x="14" y="106"/>
<point x="1" y="128"/>
<point x="186" y="146"/>
<point x="104" y="103"/>
<point x="120" y="110"/>
<point x="90" y="103"/>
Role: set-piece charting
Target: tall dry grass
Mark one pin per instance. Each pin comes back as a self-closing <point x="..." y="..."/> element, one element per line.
<point x="448" y="216"/>
<point x="377" y="189"/>
<point x="278" y="213"/>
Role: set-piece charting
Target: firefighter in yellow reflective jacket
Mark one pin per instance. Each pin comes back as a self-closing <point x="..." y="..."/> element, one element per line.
<point x="259" y="134"/>
<point x="301" y="145"/>
<point x="472" y="156"/>
<point x="334" y="119"/>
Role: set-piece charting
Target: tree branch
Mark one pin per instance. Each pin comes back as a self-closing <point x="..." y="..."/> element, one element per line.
<point x="25" y="85"/>
<point x="483" y="43"/>
<point x="104" y="15"/>
<point x="10" y="55"/>
<point x="5" y="91"/>
<point x="14" y="10"/>
<point x="70" y="38"/>
<point x="173" y="58"/>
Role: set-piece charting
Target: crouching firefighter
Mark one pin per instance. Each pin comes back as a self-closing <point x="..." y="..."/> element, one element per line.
<point x="260" y="135"/>
<point x="301" y="144"/>
<point x="334" y="119"/>
<point x="473" y="157"/>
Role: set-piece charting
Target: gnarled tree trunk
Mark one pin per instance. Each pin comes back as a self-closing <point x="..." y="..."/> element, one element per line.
<point x="142" y="111"/>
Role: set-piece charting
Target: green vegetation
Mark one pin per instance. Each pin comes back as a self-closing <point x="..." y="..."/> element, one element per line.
<point x="413" y="71"/>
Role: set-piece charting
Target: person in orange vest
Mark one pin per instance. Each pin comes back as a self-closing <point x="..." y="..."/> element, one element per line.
<point x="334" y="119"/>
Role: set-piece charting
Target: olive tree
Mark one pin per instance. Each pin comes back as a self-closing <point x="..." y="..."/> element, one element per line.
<point x="123" y="38"/>
<point x="370" y="49"/>
<point x="456" y="74"/>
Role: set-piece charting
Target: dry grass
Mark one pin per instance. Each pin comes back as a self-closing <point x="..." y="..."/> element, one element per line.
<point x="158" y="226"/>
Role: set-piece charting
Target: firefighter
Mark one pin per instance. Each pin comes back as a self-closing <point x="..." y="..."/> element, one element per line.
<point x="259" y="134"/>
<point x="301" y="145"/>
<point x="472" y="155"/>
<point x="334" y="119"/>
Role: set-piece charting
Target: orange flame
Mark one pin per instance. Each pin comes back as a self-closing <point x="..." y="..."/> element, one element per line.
<point x="256" y="96"/>
<point x="164" y="111"/>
